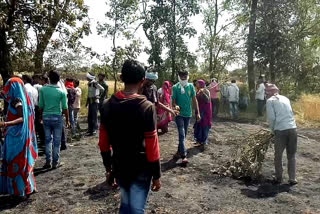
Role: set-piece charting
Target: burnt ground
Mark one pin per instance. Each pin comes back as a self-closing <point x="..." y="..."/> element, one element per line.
<point x="79" y="185"/>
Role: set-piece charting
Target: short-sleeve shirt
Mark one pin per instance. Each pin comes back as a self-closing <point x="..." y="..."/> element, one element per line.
<point x="52" y="100"/>
<point x="151" y="94"/>
<point x="184" y="100"/>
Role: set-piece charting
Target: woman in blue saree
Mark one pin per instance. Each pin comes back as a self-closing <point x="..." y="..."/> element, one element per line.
<point x="20" y="145"/>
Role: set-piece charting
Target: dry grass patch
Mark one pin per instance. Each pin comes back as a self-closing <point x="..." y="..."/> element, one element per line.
<point x="307" y="110"/>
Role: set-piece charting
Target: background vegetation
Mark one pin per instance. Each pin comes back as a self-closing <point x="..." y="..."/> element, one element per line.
<point x="280" y="39"/>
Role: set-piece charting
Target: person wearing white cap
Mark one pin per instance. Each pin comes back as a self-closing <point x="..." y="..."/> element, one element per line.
<point x="94" y="90"/>
<point x="283" y="124"/>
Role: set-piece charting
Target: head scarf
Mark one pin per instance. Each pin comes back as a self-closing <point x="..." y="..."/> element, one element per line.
<point x="151" y="75"/>
<point x="69" y="84"/>
<point x="271" y="90"/>
<point x="90" y="76"/>
<point x="202" y="83"/>
<point x="20" y="142"/>
<point x="166" y="90"/>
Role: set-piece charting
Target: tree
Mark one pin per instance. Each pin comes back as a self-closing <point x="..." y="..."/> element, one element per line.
<point x="175" y="21"/>
<point x="215" y="42"/>
<point x="61" y="17"/>
<point x="120" y="15"/>
<point x="251" y="47"/>
<point x="11" y="13"/>
<point x="152" y="18"/>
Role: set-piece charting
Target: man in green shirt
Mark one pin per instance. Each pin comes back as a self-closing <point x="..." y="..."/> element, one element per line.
<point x="52" y="103"/>
<point x="183" y="95"/>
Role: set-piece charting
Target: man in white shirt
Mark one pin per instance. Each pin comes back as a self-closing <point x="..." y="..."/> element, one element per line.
<point x="77" y="103"/>
<point x="260" y="97"/>
<point x="33" y="93"/>
<point x="282" y="123"/>
<point x="233" y="96"/>
<point x="37" y="122"/>
<point x="36" y="82"/>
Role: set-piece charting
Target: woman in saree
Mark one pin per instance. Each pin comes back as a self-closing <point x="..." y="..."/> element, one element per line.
<point x="20" y="147"/>
<point x="202" y="127"/>
<point x="164" y="117"/>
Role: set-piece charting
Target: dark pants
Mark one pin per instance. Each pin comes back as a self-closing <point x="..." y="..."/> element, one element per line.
<point x="260" y="106"/>
<point x="201" y="133"/>
<point x="63" y="137"/>
<point x="92" y="118"/>
<point x="215" y="107"/>
<point x="285" y="140"/>
<point x="134" y="198"/>
<point x="38" y="126"/>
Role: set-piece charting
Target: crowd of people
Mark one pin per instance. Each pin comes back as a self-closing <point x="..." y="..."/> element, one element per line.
<point x="130" y="121"/>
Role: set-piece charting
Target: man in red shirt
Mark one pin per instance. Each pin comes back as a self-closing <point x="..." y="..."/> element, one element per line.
<point x="128" y="140"/>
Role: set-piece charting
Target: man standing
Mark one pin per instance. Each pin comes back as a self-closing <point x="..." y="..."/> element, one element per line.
<point x="149" y="89"/>
<point x="77" y="103"/>
<point x="71" y="95"/>
<point x="94" y="90"/>
<point x="233" y="92"/>
<point x="260" y="96"/>
<point x="33" y="93"/>
<point x="128" y="127"/>
<point x="224" y="92"/>
<point x="214" y="89"/>
<point x="282" y="123"/>
<point x="183" y="95"/>
<point x="104" y="93"/>
<point x="52" y="102"/>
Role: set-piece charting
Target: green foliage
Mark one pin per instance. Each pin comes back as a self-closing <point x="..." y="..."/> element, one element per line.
<point x="243" y="90"/>
<point x="120" y="16"/>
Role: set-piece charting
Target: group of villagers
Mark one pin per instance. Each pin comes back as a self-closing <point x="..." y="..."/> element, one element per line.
<point x="175" y="102"/>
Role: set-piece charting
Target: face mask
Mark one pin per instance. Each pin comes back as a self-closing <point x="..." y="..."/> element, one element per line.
<point x="183" y="82"/>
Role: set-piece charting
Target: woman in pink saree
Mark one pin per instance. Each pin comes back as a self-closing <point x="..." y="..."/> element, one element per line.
<point x="164" y="117"/>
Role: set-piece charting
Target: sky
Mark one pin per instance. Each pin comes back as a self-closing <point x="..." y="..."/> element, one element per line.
<point x="101" y="45"/>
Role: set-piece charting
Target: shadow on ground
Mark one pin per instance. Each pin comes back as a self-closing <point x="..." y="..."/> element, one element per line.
<point x="8" y="202"/>
<point x="100" y="191"/>
<point x="266" y="191"/>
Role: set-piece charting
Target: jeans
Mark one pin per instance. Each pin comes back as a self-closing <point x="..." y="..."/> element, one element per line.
<point x="71" y="116"/>
<point x="53" y="131"/>
<point x="260" y="106"/>
<point x="134" y="198"/>
<point x="234" y="109"/>
<point x="215" y="107"/>
<point x="93" y="117"/>
<point x="201" y="133"/>
<point x="286" y="139"/>
<point x="182" y="124"/>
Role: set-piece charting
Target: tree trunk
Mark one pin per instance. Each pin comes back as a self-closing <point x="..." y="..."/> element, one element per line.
<point x="251" y="49"/>
<point x="5" y="60"/>
<point x="272" y="70"/>
<point x="43" y="42"/>
<point x="174" y="43"/>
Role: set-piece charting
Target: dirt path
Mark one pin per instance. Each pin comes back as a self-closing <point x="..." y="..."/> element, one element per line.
<point x="79" y="187"/>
